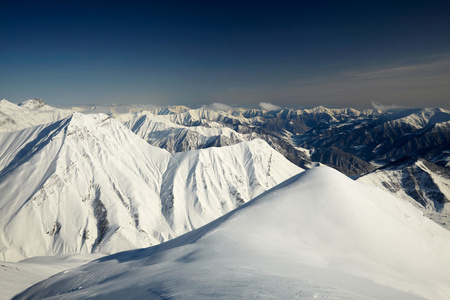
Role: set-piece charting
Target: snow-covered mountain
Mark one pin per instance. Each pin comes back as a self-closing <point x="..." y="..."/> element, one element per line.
<point x="32" y="112"/>
<point x="354" y="142"/>
<point x="180" y="130"/>
<point x="79" y="185"/>
<point x="419" y="181"/>
<point x="319" y="235"/>
<point x="200" y="186"/>
<point x="281" y="129"/>
<point x="160" y="132"/>
<point x="380" y="140"/>
<point x="88" y="184"/>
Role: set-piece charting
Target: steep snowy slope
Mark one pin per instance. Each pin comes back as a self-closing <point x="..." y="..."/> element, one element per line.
<point x="79" y="185"/>
<point x="88" y="184"/>
<point x="29" y="113"/>
<point x="319" y="235"/>
<point x="422" y="133"/>
<point x="211" y="182"/>
<point x="417" y="180"/>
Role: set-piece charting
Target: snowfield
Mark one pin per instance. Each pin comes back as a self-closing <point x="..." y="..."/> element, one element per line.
<point x="318" y="235"/>
<point x="17" y="276"/>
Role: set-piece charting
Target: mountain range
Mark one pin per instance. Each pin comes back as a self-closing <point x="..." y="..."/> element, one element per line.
<point x="360" y="144"/>
<point x="222" y="200"/>
<point x="88" y="184"/>
<point x="357" y="143"/>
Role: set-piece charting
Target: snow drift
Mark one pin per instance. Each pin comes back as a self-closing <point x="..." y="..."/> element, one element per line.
<point x="317" y="235"/>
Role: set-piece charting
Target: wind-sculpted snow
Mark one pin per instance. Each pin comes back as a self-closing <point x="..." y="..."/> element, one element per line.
<point x="318" y="235"/>
<point x="15" y="277"/>
<point x="88" y="184"/>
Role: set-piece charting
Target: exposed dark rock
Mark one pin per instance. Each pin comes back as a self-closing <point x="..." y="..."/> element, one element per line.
<point x="101" y="215"/>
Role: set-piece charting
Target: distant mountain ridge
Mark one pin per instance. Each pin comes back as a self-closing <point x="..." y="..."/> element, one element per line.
<point x="357" y="143"/>
<point x="354" y="142"/>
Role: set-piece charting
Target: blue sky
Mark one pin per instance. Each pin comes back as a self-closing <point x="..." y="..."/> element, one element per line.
<point x="294" y="53"/>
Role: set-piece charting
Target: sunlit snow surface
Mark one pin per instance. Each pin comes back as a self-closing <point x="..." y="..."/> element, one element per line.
<point x="319" y="235"/>
<point x="88" y="184"/>
<point x="17" y="276"/>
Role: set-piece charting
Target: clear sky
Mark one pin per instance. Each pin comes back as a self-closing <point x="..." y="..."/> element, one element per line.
<point x="289" y="53"/>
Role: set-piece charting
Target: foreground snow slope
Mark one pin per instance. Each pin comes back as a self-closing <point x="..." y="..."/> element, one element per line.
<point x="319" y="235"/>
<point x="16" y="277"/>
<point x="88" y="184"/>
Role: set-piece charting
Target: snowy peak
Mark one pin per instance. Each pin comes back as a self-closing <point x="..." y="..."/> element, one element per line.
<point x="27" y="114"/>
<point x="221" y="178"/>
<point x="19" y="147"/>
<point x="82" y="186"/>
<point x="6" y="104"/>
<point x="338" y="112"/>
<point x="33" y="104"/>
<point x="170" y="110"/>
<point x="88" y="184"/>
<point x="420" y="118"/>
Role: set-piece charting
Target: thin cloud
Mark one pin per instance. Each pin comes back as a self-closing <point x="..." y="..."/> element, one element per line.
<point x="423" y="83"/>
<point x="218" y="106"/>
<point x="419" y="84"/>
<point x="419" y="70"/>
<point x="379" y="106"/>
<point x="269" y="106"/>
